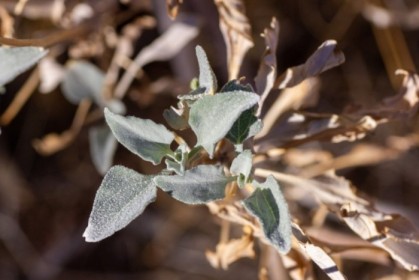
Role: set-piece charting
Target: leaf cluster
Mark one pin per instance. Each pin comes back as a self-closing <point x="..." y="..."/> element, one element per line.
<point x="213" y="116"/>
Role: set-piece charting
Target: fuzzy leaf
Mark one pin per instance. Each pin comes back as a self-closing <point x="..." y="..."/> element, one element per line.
<point x="122" y="196"/>
<point x="212" y="116"/>
<point x="102" y="147"/>
<point x="268" y="205"/>
<point x="207" y="78"/>
<point x="242" y="167"/>
<point x="246" y="126"/>
<point x="83" y="80"/>
<point x="145" y="138"/>
<point x="177" y="161"/>
<point x="14" y="61"/>
<point x="198" y="185"/>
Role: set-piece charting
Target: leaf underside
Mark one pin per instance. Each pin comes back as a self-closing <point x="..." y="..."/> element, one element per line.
<point x="207" y="78"/>
<point x="16" y="60"/>
<point x="145" y="138"/>
<point x="242" y="167"/>
<point x="102" y="147"/>
<point x="212" y="116"/>
<point x="198" y="185"/>
<point x="122" y="196"/>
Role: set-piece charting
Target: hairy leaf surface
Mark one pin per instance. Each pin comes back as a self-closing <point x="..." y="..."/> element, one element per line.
<point x="122" y="196"/>
<point x="242" y="167"/>
<point x="212" y="116"/>
<point x="102" y="147"/>
<point x="14" y="61"/>
<point x="145" y="138"/>
<point x="198" y="185"/>
<point x="207" y="78"/>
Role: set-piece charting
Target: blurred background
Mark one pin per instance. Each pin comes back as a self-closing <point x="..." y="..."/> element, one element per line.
<point x="46" y="195"/>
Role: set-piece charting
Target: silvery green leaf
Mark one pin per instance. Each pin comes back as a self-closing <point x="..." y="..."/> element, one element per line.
<point x="212" y="116"/>
<point x="122" y="196"/>
<point x="246" y="126"/>
<point x="177" y="161"/>
<point x="201" y="184"/>
<point x="242" y="167"/>
<point x="16" y="60"/>
<point x="102" y="147"/>
<point x="83" y="80"/>
<point x="268" y="205"/>
<point x="145" y="138"/>
<point x="207" y="78"/>
<point x="234" y="85"/>
<point x="177" y="118"/>
<point x="193" y="95"/>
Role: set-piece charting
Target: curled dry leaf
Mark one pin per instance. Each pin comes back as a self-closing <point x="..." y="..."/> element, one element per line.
<point x="392" y="233"/>
<point x="301" y="128"/>
<point x="173" y="7"/>
<point x="267" y="72"/>
<point x="317" y="254"/>
<point x="236" y="30"/>
<point x="302" y="95"/>
<point x="163" y="48"/>
<point x="228" y="252"/>
<point x="325" y="57"/>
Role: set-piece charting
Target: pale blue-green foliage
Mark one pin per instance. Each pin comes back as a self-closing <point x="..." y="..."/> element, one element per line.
<point x="176" y="162"/>
<point x="122" y="196"/>
<point x="102" y="147"/>
<point x="207" y="79"/>
<point x="212" y="116"/>
<point x="247" y="125"/>
<point x="145" y="138"/>
<point x="16" y="60"/>
<point x="83" y="80"/>
<point x="268" y="205"/>
<point x="242" y="167"/>
<point x="201" y="184"/>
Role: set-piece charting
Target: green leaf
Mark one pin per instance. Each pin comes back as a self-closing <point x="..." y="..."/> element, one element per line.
<point x="212" y="116"/>
<point x="177" y="161"/>
<point x="242" y="167"/>
<point x="198" y="185"/>
<point x="83" y="80"/>
<point x="102" y="147"/>
<point x="16" y="60"/>
<point x="145" y="138"/>
<point x="234" y="85"/>
<point x="207" y="78"/>
<point x="122" y="196"/>
<point x="268" y="205"/>
<point x="246" y="126"/>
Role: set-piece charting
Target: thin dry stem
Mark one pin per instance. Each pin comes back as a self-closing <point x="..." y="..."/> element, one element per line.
<point x="21" y="97"/>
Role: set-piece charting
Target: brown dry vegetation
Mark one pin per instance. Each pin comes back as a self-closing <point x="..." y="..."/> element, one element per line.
<point x="343" y="144"/>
